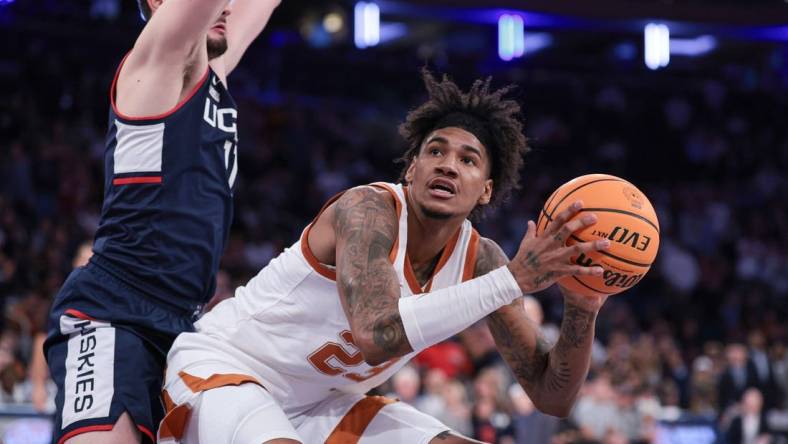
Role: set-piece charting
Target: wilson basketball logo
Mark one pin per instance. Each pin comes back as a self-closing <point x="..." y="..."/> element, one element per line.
<point x="611" y="278"/>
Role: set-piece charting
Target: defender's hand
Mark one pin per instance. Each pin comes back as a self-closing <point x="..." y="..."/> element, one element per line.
<point x="541" y="260"/>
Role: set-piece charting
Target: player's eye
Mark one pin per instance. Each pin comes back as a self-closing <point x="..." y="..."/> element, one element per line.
<point x="435" y="151"/>
<point x="468" y="161"/>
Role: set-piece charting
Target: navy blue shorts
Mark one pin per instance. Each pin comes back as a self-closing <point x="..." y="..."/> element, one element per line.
<point x="107" y="348"/>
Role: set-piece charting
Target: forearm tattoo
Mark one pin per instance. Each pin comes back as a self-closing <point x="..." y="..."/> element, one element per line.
<point x="389" y="333"/>
<point x="528" y="363"/>
<point x="366" y="226"/>
<point x="577" y="324"/>
<point x="554" y="373"/>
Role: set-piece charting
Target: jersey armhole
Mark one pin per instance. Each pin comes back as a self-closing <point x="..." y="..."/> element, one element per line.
<point x="310" y="257"/>
<point x="179" y="105"/>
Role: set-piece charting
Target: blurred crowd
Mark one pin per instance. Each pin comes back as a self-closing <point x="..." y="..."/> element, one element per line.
<point x="695" y="352"/>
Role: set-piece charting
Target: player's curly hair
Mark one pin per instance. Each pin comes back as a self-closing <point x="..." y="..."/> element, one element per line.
<point x="501" y="116"/>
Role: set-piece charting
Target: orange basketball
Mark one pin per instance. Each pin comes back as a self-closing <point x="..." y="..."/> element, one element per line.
<point x="624" y="216"/>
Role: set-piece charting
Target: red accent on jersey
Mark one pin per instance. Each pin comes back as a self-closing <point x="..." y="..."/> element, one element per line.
<point x="79" y="314"/>
<point x="132" y="180"/>
<point x="81" y="430"/>
<point x="157" y="116"/>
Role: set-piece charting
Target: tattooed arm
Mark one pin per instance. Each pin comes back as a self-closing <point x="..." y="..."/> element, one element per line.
<point x="386" y="326"/>
<point x="551" y="377"/>
<point x="366" y="227"/>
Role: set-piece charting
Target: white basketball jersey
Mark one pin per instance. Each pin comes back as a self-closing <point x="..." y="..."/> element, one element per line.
<point x="287" y="324"/>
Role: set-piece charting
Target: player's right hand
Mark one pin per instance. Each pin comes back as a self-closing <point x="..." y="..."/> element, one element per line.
<point x="542" y="260"/>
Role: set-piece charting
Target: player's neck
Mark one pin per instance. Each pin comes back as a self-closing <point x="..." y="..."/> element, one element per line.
<point x="428" y="236"/>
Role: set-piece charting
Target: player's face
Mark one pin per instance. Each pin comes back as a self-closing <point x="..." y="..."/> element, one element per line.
<point x="450" y="175"/>
<point x="217" y="35"/>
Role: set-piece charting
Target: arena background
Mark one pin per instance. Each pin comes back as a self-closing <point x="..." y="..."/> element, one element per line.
<point x="696" y="115"/>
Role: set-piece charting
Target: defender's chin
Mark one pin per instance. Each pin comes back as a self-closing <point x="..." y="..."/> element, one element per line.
<point x="217" y="44"/>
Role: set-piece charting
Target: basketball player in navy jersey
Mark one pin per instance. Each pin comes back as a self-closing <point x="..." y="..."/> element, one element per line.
<point x="170" y="165"/>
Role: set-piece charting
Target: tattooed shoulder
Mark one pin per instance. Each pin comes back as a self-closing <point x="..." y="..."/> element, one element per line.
<point x="489" y="257"/>
<point x="360" y="206"/>
<point x="366" y="227"/>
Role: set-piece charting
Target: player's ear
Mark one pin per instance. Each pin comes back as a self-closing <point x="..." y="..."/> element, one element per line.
<point x="154" y="4"/>
<point x="484" y="199"/>
<point x="411" y="169"/>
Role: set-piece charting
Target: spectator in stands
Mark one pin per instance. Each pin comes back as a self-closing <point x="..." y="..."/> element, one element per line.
<point x="760" y="365"/>
<point x="736" y="377"/>
<point x="749" y="425"/>
<point x="530" y="426"/>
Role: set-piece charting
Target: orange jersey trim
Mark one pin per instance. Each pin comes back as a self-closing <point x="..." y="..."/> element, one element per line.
<point x="325" y="271"/>
<point x="197" y="384"/>
<point x="307" y="252"/>
<point x="168" y="402"/>
<point x="385" y="186"/>
<point x="469" y="269"/>
<point x="448" y="250"/>
<point x="410" y="277"/>
<point x="174" y="423"/>
<point x="352" y="426"/>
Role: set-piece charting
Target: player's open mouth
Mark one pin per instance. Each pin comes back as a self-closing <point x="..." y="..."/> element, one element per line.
<point x="219" y="27"/>
<point x="442" y="188"/>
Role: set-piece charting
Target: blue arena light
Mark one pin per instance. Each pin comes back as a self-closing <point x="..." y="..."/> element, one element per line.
<point x="366" y="24"/>
<point x="392" y="31"/>
<point x="693" y="47"/>
<point x="506" y="37"/>
<point x="657" y="45"/>
<point x="519" y="35"/>
<point x="511" y="37"/>
<point x="536" y="41"/>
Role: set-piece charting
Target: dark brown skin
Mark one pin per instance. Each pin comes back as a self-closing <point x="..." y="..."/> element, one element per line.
<point x="357" y="232"/>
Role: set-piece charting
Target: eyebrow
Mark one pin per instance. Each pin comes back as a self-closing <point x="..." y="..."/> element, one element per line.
<point x="443" y="140"/>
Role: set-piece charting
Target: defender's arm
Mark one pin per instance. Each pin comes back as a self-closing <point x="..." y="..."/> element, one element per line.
<point x="176" y="29"/>
<point x="551" y="377"/>
<point x="246" y="22"/>
<point x="167" y="57"/>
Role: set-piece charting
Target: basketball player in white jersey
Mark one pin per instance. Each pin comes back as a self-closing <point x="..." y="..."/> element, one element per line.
<point x="383" y="272"/>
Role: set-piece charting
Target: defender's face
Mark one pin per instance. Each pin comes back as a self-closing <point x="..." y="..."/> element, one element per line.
<point x="217" y="35"/>
<point x="450" y="175"/>
<point x="216" y="40"/>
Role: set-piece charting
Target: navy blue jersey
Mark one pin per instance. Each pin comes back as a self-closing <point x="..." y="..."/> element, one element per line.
<point x="168" y="195"/>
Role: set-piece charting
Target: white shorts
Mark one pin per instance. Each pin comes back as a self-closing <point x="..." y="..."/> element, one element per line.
<point x="209" y="408"/>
